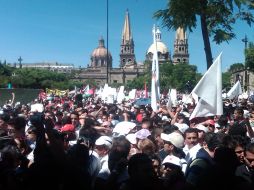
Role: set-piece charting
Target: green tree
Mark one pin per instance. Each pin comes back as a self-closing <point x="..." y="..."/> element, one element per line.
<point x="216" y="18"/>
<point x="171" y="76"/>
<point x="249" y="54"/>
<point x="236" y="66"/>
<point x="226" y="80"/>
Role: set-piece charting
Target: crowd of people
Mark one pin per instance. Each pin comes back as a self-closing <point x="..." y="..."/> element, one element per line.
<point x="89" y="144"/>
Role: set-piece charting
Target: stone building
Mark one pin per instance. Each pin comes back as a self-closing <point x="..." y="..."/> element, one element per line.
<point x="246" y="78"/>
<point x="100" y="67"/>
<point x="181" y="53"/>
<point x="162" y="50"/>
<point x="101" y="61"/>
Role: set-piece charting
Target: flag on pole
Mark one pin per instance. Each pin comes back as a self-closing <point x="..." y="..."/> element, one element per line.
<point x="209" y="90"/>
<point x="235" y="91"/>
<point x="155" y="87"/>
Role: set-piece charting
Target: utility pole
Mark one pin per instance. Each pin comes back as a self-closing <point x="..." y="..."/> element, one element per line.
<point x="107" y="44"/>
<point x="245" y="40"/>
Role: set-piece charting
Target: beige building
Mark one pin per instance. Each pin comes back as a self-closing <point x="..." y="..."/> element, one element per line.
<point x="101" y="58"/>
<point x="100" y="62"/>
<point x="246" y="78"/>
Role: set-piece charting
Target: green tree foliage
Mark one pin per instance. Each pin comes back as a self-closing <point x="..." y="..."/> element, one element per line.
<point x="249" y="54"/>
<point x="36" y="78"/>
<point x="171" y="76"/>
<point x="216" y="18"/>
<point x="236" y="66"/>
<point x="226" y="80"/>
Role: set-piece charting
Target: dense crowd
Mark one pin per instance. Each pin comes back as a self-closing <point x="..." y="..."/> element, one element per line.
<point x="86" y="143"/>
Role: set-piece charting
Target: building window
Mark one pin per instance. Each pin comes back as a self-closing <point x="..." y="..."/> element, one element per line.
<point x="114" y="81"/>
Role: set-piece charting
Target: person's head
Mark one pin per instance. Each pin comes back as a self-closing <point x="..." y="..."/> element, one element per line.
<point x="31" y="133"/>
<point x="88" y="136"/>
<point x="146" y="124"/>
<point x="211" y="125"/>
<point x="172" y="142"/>
<point x="146" y="146"/>
<point x="74" y="118"/>
<point x="156" y="134"/>
<point x="171" y="164"/>
<point x="249" y="156"/>
<point x="103" y="145"/>
<point x="104" y="117"/>
<point x="119" y="153"/>
<point x="156" y="164"/>
<point x="211" y="142"/>
<point x="236" y="143"/>
<point x="191" y="137"/>
<point x="140" y="169"/>
<point x="238" y="113"/>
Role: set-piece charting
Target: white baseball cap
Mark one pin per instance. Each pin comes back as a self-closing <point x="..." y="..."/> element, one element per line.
<point x="104" y="140"/>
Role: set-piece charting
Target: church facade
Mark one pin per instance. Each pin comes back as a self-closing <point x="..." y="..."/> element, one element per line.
<point x="100" y="67"/>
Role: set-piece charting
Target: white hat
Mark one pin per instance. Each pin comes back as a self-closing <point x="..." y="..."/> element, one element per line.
<point x="124" y="127"/>
<point x="132" y="138"/>
<point x="182" y="126"/>
<point x="202" y="128"/>
<point x="142" y="134"/>
<point x="104" y="140"/>
<point x="175" y="138"/>
<point x="172" y="160"/>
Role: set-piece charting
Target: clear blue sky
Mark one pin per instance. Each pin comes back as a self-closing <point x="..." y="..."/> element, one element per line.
<point x="67" y="31"/>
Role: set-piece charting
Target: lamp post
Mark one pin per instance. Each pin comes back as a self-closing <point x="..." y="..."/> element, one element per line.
<point x="107" y="43"/>
<point x="245" y="40"/>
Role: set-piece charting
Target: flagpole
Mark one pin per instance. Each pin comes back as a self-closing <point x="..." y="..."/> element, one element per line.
<point x="107" y="44"/>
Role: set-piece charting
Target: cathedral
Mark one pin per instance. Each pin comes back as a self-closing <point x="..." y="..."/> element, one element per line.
<point x="100" y="67"/>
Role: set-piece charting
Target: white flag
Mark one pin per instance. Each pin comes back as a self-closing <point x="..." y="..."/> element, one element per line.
<point x="235" y="91"/>
<point x="209" y="90"/>
<point x="155" y="87"/>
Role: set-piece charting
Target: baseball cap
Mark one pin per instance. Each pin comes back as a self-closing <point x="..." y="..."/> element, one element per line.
<point x="67" y="127"/>
<point x="104" y="140"/>
<point x="142" y="134"/>
<point x="123" y="128"/>
<point x="201" y="127"/>
<point x="132" y="138"/>
<point x="170" y="159"/>
<point x="175" y="138"/>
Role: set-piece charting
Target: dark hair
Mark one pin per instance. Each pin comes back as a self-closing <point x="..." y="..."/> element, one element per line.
<point x="89" y="134"/>
<point x="250" y="147"/>
<point x="137" y="160"/>
<point x="223" y="121"/>
<point x="190" y="130"/>
<point x="212" y="140"/>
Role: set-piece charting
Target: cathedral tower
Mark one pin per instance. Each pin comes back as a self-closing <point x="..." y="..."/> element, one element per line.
<point x="127" y="55"/>
<point x="181" y="54"/>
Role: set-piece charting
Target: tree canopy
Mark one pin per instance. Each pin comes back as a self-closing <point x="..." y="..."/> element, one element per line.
<point x="215" y="17"/>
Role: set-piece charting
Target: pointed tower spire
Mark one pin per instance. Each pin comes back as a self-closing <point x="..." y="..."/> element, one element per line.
<point x="181" y="54"/>
<point x="126" y="34"/>
<point x="127" y="56"/>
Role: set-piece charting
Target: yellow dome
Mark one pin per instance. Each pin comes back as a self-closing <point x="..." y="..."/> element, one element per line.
<point x="161" y="47"/>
